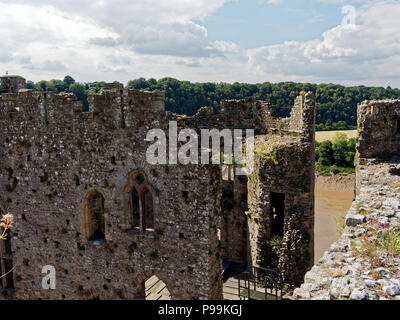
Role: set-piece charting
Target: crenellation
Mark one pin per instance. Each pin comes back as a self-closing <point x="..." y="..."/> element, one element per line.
<point x="12" y="84"/>
<point x="128" y="107"/>
<point x="378" y="128"/>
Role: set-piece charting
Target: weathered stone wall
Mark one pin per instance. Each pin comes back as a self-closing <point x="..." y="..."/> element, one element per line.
<point x="285" y="165"/>
<point x="364" y="264"/>
<point x="12" y="84"/>
<point x="353" y="268"/>
<point x="378" y="128"/>
<point x="55" y="155"/>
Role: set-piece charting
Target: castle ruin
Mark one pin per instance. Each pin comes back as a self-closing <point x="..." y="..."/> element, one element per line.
<point x="87" y="202"/>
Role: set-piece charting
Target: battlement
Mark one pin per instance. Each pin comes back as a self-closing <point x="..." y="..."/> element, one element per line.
<point x="47" y="107"/>
<point x="128" y="106"/>
<point x="378" y="128"/>
<point x="12" y="84"/>
<point x="114" y="106"/>
<point x="257" y="114"/>
<point x="301" y="120"/>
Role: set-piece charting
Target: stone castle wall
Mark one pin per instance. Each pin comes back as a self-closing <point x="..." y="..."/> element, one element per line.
<point x="359" y="266"/>
<point x="56" y="157"/>
<point x="12" y="84"/>
<point x="378" y="128"/>
<point x="285" y="166"/>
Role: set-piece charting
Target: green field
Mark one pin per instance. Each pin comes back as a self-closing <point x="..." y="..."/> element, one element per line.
<point x="328" y="135"/>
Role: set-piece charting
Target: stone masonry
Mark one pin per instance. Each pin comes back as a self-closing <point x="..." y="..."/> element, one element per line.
<point x="87" y="202"/>
<point x="285" y="171"/>
<point x="10" y="84"/>
<point x="364" y="264"/>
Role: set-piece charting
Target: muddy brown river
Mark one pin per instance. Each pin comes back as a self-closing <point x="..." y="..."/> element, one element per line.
<point x="333" y="197"/>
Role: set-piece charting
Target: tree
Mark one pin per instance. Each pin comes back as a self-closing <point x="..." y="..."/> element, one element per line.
<point x="80" y="92"/>
<point x="68" y="80"/>
<point x="324" y="153"/>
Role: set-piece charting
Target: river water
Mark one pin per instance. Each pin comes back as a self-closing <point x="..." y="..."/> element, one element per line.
<point x="332" y="199"/>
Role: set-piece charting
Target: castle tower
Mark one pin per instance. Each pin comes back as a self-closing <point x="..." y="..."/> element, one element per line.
<point x="12" y="84"/>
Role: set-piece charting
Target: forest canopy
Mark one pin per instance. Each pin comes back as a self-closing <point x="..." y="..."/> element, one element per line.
<point x="336" y="104"/>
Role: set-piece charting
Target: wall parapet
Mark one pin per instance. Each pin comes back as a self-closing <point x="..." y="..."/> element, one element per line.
<point x="361" y="265"/>
<point x="378" y="128"/>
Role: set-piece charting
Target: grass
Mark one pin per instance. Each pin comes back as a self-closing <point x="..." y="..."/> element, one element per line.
<point x="328" y="170"/>
<point x="389" y="241"/>
<point x="328" y="135"/>
<point x="267" y="152"/>
<point x="380" y="238"/>
<point x="340" y="221"/>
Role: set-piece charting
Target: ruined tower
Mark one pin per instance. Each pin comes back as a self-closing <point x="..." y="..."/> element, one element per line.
<point x="281" y="193"/>
<point x="12" y="84"/>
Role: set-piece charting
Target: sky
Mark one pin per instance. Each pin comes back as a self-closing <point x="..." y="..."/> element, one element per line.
<point x="319" y="41"/>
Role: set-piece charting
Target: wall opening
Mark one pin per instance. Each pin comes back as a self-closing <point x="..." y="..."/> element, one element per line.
<point x="135" y="208"/>
<point x="227" y="197"/>
<point x="94" y="222"/>
<point x="277" y="214"/>
<point x="142" y="205"/>
<point x="148" y="210"/>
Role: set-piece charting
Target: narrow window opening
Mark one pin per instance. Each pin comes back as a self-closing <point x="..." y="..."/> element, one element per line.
<point x="139" y="179"/>
<point x="227" y="197"/>
<point x="185" y="196"/>
<point x="142" y="203"/>
<point x="148" y="209"/>
<point x="96" y="209"/>
<point x="135" y="208"/>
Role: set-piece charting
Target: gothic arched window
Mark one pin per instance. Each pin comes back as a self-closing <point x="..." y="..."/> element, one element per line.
<point x="141" y="202"/>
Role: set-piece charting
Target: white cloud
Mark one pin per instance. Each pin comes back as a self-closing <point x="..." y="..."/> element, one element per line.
<point x="81" y="36"/>
<point x="346" y="53"/>
<point x="122" y="39"/>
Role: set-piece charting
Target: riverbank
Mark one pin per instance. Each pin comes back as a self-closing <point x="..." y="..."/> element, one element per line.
<point x="335" y="182"/>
